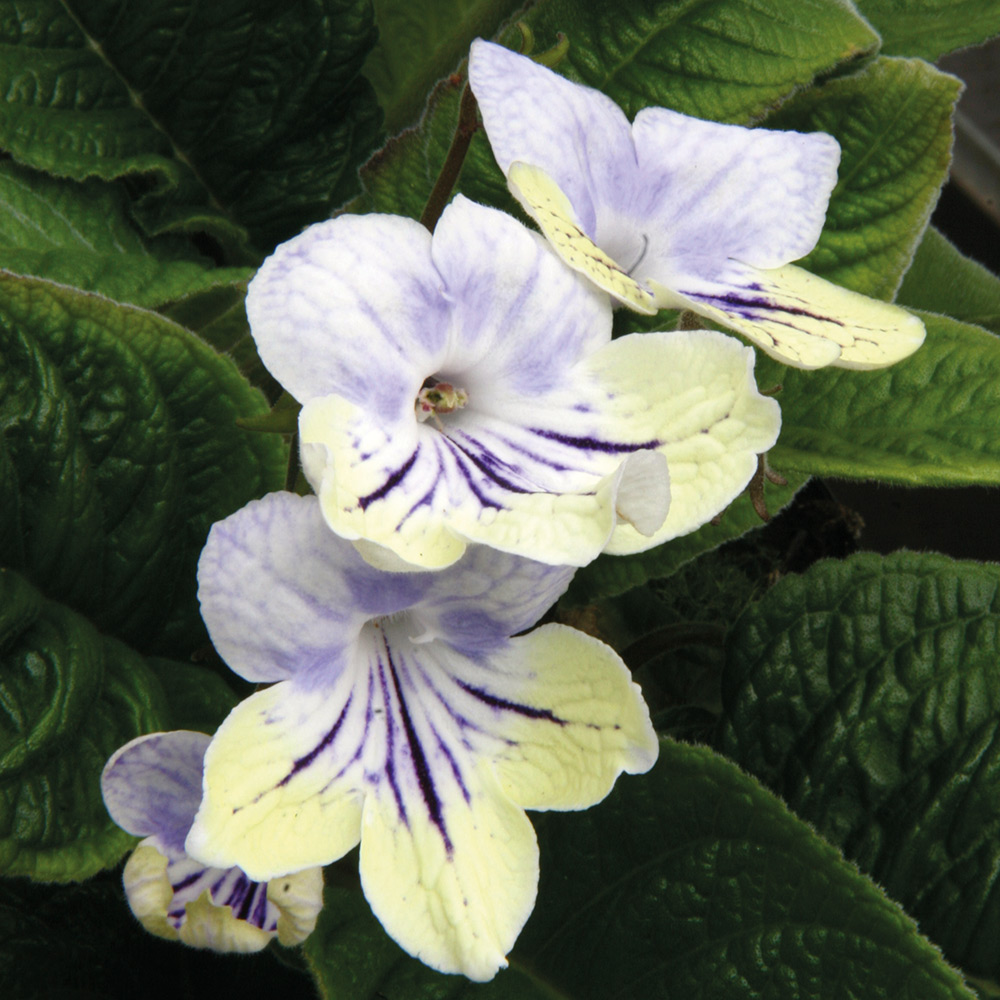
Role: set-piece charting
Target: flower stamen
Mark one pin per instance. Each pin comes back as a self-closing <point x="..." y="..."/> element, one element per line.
<point x="436" y="398"/>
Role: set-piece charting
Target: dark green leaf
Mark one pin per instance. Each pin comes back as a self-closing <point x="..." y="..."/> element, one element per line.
<point x="198" y="698"/>
<point x="930" y="419"/>
<point x="893" y="123"/>
<point x="80" y="234"/>
<point x="867" y="694"/>
<point x="121" y="430"/>
<point x="69" y="697"/>
<point x="943" y="280"/>
<point x="930" y="28"/>
<point x="419" y="44"/>
<point x="240" y="115"/>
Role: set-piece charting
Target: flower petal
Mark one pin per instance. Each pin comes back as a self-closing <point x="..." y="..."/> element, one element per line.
<point x="456" y="902"/>
<point x="352" y="302"/>
<point x="425" y="496"/>
<point x="281" y="594"/>
<point x="694" y="393"/>
<point x="577" y="135"/>
<point x="546" y="203"/>
<point x="270" y="806"/>
<point x="152" y="786"/>
<point x="800" y="319"/>
<point x="572" y="718"/>
<point x="723" y="191"/>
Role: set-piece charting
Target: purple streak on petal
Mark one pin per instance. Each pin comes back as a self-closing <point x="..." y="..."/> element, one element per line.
<point x="259" y="916"/>
<point x="593" y="444"/>
<point x="239" y="890"/>
<point x="424" y="501"/>
<point x="391" y="483"/>
<point x="390" y="739"/>
<point x="534" y="456"/>
<point x="187" y="880"/>
<point x="738" y="303"/>
<point x="304" y="762"/>
<point x="449" y="756"/>
<point x="511" y="706"/>
<point x="484" y="467"/>
<point x="421" y="768"/>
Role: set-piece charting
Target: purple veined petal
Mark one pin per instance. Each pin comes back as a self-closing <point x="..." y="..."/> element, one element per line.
<point x="426" y="501"/>
<point x="401" y="754"/>
<point x="711" y="192"/>
<point x="577" y="135"/>
<point x="152" y="786"/>
<point x="801" y="319"/>
<point x="518" y="318"/>
<point x="349" y="303"/>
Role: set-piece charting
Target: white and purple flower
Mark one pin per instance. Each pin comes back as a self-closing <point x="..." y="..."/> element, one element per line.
<point x="402" y="714"/>
<point x="674" y="212"/>
<point x="465" y="388"/>
<point x="152" y="789"/>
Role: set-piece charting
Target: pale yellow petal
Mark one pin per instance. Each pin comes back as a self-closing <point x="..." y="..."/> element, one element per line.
<point x="550" y="208"/>
<point x="148" y="890"/>
<point x="299" y="898"/>
<point x="457" y="906"/>
<point x="589" y="722"/>
<point x="805" y="321"/>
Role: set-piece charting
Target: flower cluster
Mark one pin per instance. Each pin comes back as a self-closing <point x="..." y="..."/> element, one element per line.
<point x="472" y="434"/>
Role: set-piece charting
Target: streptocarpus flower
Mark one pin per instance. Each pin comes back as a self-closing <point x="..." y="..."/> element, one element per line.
<point x="678" y="213"/>
<point x="465" y="388"/>
<point x="152" y="788"/>
<point x="404" y="716"/>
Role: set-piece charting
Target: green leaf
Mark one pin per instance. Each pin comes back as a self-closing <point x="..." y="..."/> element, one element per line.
<point x="928" y="420"/>
<point x="731" y="61"/>
<point x="80" y="234"/>
<point x="198" y="698"/>
<point x="121" y="430"/>
<point x="608" y="576"/>
<point x="691" y="881"/>
<point x="240" y="115"/>
<point x="69" y="697"/>
<point x="866" y="693"/>
<point x="417" y="45"/>
<point x="943" y="280"/>
<point x="893" y="123"/>
<point x="930" y="28"/>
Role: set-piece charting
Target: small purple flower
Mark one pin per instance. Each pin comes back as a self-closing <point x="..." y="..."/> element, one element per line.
<point x="152" y="788"/>
<point x="402" y="714"/>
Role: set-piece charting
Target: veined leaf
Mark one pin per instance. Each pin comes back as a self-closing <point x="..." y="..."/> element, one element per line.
<point x="930" y="28"/>
<point x="80" y="234"/>
<point x="120" y="428"/>
<point x="241" y="115"/>
<point x="867" y="694"/>
<point x="931" y="419"/>
<point x="893" y="121"/>
<point x="70" y="697"/>
<point x="943" y="280"/>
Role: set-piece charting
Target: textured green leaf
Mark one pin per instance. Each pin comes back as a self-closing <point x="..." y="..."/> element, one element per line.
<point x="68" y="698"/>
<point x="930" y="28"/>
<point x="943" y="280"/>
<point x="867" y="694"/>
<point x="198" y="698"/>
<point x="420" y="43"/>
<point x="727" y="61"/>
<point x="121" y="430"/>
<point x="691" y="881"/>
<point x="893" y="123"/>
<point x="930" y="419"/>
<point x="244" y="115"/>
<point x="80" y="234"/>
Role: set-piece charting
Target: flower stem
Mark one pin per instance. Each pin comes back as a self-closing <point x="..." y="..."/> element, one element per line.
<point x="468" y="125"/>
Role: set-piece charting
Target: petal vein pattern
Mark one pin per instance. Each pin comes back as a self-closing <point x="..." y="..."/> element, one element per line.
<point x="500" y="424"/>
<point x="424" y="737"/>
<point x="674" y="212"/>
